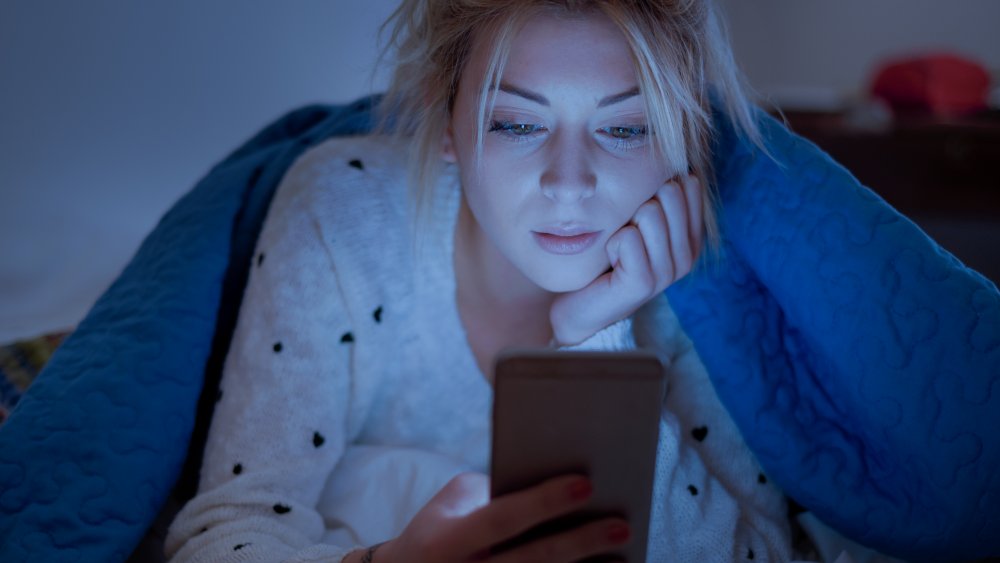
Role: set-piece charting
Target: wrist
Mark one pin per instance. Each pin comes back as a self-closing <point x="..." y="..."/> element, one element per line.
<point x="377" y="553"/>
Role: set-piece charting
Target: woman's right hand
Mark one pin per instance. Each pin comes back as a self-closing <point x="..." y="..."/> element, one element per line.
<point x="461" y="524"/>
<point x="656" y="248"/>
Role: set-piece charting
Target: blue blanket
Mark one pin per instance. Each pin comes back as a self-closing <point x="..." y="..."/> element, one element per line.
<point x="859" y="359"/>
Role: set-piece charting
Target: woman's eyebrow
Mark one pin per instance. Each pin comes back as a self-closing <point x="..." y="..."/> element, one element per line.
<point x="542" y="100"/>
<point x="526" y="94"/>
<point x="617" y="98"/>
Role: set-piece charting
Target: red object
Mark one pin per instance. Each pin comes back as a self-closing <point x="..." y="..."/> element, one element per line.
<point x="939" y="84"/>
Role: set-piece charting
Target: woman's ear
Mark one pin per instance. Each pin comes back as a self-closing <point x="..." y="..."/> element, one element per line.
<point x="448" y="146"/>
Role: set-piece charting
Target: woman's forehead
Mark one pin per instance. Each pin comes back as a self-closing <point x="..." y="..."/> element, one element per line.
<point x="555" y="52"/>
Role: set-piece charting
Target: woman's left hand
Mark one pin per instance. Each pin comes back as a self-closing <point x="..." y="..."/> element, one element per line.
<point x="656" y="248"/>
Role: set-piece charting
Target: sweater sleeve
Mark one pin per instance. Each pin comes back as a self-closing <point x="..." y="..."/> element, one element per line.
<point x="280" y="423"/>
<point x="615" y="337"/>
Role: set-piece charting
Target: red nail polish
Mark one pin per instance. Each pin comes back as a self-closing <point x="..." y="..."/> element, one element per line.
<point x="580" y="489"/>
<point x="618" y="533"/>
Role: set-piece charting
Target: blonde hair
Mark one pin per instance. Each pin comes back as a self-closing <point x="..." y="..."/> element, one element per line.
<point x="680" y="50"/>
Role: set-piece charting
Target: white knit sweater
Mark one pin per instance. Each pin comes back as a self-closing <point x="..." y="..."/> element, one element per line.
<point x="350" y="394"/>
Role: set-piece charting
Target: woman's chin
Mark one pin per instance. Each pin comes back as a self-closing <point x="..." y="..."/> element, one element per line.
<point x="565" y="280"/>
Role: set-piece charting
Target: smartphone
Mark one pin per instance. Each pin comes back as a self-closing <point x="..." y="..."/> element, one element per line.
<point x="590" y="413"/>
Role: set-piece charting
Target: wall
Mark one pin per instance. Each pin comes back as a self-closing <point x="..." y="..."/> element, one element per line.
<point x="112" y="109"/>
<point x="816" y="53"/>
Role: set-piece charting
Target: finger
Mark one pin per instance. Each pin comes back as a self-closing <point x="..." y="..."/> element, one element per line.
<point x="632" y="278"/>
<point x="463" y="494"/>
<point x="675" y="207"/>
<point x="510" y="515"/>
<point x="695" y="196"/>
<point x="612" y="296"/>
<point x="588" y="540"/>
<point x="612" y="246"/>
<point x="652" y="225"/>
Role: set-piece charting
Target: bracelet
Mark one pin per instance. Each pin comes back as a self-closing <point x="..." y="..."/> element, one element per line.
<point x="367" y="557"/>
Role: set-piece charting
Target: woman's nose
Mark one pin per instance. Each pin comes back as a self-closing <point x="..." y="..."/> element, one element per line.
<point x="568" y="176"/>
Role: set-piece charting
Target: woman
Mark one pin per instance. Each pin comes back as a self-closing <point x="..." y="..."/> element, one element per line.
<point x="559" y="181"/>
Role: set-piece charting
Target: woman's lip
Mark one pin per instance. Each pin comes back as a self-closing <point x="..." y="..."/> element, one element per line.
<point x="567" y="229"/>
<point x="557" y="244"/>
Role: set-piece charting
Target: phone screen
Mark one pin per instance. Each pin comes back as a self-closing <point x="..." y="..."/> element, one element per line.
<point x="591" y="413"/>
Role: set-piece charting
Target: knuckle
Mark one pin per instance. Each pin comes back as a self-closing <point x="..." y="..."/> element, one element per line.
<point x="646" y="283"/>
<point x="684" y="269"/>
<point x="647" y="211"/>
<point x="466" y="481"/>
<point x="663" y="271"/>
<point x="679" y="276"/>
<point x="670" y="192"/>
<point x="662" y="286"/>
<point x="630" y="234"/>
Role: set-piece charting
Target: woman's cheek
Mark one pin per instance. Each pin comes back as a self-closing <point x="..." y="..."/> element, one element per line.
<point x="632" y="201"/>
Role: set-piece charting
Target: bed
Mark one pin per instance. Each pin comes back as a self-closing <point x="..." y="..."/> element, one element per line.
<point x="860" y="360"/>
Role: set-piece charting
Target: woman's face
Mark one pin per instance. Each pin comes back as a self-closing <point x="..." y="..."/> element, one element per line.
<point x="566" y="160"/>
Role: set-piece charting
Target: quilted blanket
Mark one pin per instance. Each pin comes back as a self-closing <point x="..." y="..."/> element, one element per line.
<point x="859" y="359"/>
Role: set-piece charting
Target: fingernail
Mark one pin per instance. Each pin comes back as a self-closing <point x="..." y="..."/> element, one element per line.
<point x="618" y="533"/>
<point x="580" y="489"/>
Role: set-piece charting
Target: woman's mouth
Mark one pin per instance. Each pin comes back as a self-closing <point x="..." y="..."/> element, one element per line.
<point x="564" y="244"/>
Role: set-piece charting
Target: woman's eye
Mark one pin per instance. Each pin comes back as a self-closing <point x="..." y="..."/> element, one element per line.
<point x="515" y="129"/>
<point x="624" y="137"/>
<point x="625" y="132"/>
